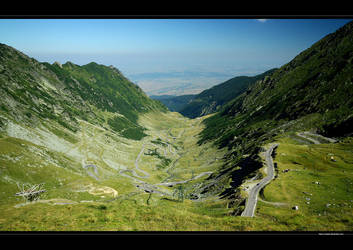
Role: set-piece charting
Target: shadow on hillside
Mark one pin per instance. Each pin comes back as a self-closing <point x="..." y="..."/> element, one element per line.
<point x="247" y="166"/>
<point x="341" y="129"/>
<point x="168" y="199"/>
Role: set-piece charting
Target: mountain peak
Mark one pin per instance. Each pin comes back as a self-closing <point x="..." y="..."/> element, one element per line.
<point x="69" y="64"/>
<point x="57" y="63"/>
<point x="115" y="69"/>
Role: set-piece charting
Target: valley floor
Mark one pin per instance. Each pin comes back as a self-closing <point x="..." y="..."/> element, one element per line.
<point x="97" y="180"/>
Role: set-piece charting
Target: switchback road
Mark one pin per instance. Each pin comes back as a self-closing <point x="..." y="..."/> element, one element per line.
<point x="254" y="192"/>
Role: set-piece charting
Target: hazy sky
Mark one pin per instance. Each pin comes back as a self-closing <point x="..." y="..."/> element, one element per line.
<point x="165" y="45"/>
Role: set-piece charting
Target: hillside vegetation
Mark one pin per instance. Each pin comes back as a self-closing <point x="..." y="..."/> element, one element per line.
<point x="34" y="91"/>
<point x="312" y="92"/>
<point x="211" y="100"/>
<point x="315" y="88"/>
<point x="106" y="154"/>
<point x="174" y="103"/>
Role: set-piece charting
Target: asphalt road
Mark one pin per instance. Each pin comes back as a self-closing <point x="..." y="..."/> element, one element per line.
<point x="171" y="184"/>
<point x="254" y="192"/>
<point x="89" y="173"/>
<point x="137" y="164"/>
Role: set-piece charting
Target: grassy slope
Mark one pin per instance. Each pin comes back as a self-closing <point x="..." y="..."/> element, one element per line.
<point x="33" y="92"/>
<point x="310" y="92"/>
<point x="309" y="164"/>
<point x="317" y="81"/>
<point x="130" y="210"/>
<point x="67" y="182"/>
<point x="107" y="89"/>
<point x="64" y="177"/>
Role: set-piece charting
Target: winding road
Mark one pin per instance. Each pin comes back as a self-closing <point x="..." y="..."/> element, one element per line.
<point x="86" y="166"/>
<point x="156" y="188"/>
<point x="171" y="184"/>
<point x="137" y="166"/>
<point x="254" y="192"/>
<point x="253" y="195"/>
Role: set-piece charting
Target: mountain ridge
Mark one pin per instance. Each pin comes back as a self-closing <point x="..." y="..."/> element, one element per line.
<point x="66" y="92"/>
<point x="313" y="92"/>
<point x="174" y="103"/>
<point x="211" y="100"/>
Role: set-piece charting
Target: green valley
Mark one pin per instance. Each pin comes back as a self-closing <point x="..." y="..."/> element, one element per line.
<point x="272" y="152"/>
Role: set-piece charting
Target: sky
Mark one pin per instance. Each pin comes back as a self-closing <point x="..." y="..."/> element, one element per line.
<point x="136" y="46"/>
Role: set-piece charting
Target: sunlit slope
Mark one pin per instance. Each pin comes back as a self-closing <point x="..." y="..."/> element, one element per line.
<point x="125" y="172"/>
<point x="116" y="198"/>
<point x="95" y="140"/>
<point x="90" y="135"/>
<point x="318" y="179"/>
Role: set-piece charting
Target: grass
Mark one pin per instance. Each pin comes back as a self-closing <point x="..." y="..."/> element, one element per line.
<point x="65" y="178"/>
<point x="310" y="164"/>
<point x="135" y="210"/>
<point x="129" y="215"/>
